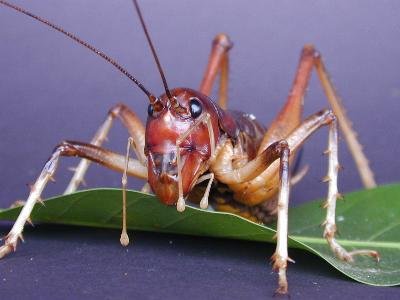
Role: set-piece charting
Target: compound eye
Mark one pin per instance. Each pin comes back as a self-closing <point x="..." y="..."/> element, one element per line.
<point x="195" y="107"/>
<point x="150" y="110"/>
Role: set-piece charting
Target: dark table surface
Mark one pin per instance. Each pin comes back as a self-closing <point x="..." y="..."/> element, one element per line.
<point x="51" y="89"/>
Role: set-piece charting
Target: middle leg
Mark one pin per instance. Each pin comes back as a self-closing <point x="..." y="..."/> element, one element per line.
<point x="218" y="62"/>
<point x="136" y="131"/>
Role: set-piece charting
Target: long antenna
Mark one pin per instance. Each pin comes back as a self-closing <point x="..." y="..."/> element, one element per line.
<point x="152" y="50"/>
<point x="152" y="98"/>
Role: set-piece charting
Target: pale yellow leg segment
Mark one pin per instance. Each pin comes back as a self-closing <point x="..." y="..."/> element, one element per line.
<point x="124" y="235"/>
<point x="11" y="240"/>
<point x="204" y="200"/>
<point x="280" y="257"/>
<point x="72" y="149"/>
<point x="329" y="223"/>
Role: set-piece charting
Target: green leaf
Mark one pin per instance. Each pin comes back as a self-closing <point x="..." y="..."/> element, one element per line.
<point x="368" y="219"/>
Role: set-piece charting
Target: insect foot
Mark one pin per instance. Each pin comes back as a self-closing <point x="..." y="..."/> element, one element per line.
<point x="180" y="205"/>
<point x="340" y="252"/>
<point x="124" y="240"/>
<point x="204" y="203"/>
<point x="10" y="244"/>
<point x="280" y="265"/>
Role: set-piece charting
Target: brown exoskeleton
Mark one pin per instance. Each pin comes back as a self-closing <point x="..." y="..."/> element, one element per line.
<point x="189" y="139"/>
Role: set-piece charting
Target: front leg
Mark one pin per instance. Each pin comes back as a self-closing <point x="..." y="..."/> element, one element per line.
<point x="102" y="156"/>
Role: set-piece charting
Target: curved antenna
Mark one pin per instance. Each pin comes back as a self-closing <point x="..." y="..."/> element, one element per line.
<point x="152" y="98"/>
<point x="153" y="50"/>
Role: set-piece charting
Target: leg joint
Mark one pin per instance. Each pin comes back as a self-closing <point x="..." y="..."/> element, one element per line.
<point x="309" y="50"/>
<point x="278" y="147"/>
<point x="328" y="115"/>
<point x="67" y="148"/>
<point x="115" y="111"/>
<point x="223" y="40"/>
<point x="283" y="145"/>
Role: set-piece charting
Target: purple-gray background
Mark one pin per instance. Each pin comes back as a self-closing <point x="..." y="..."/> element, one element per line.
<point x="52" y="89"/>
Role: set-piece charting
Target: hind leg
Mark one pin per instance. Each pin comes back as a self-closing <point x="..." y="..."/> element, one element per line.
<point x="218" y="62"/>
<point x="290" y="115"/>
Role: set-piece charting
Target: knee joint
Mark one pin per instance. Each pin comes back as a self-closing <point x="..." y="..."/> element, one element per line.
<point x="223" y="40"/>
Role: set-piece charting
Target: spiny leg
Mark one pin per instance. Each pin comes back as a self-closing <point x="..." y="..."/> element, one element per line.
<point x="330" y="204"/>
<point x="205" y="118"/>
<point x="218" y="62"/>
<point x="225" y="173"/>
<point x="268" y="158"/>
<point x="280" y="257"/>
<point x="135" y="129"/>
<point x="366" y="174"/>
<point x="102" y="156"/>
<point x="278" y="150"/>
<point x="290" y="115"/>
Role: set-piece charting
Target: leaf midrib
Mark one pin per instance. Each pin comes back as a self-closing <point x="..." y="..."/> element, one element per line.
<point x="377" y="244"/>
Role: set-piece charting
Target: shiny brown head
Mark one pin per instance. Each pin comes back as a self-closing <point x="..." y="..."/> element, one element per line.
<point x="168" y="119"/>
